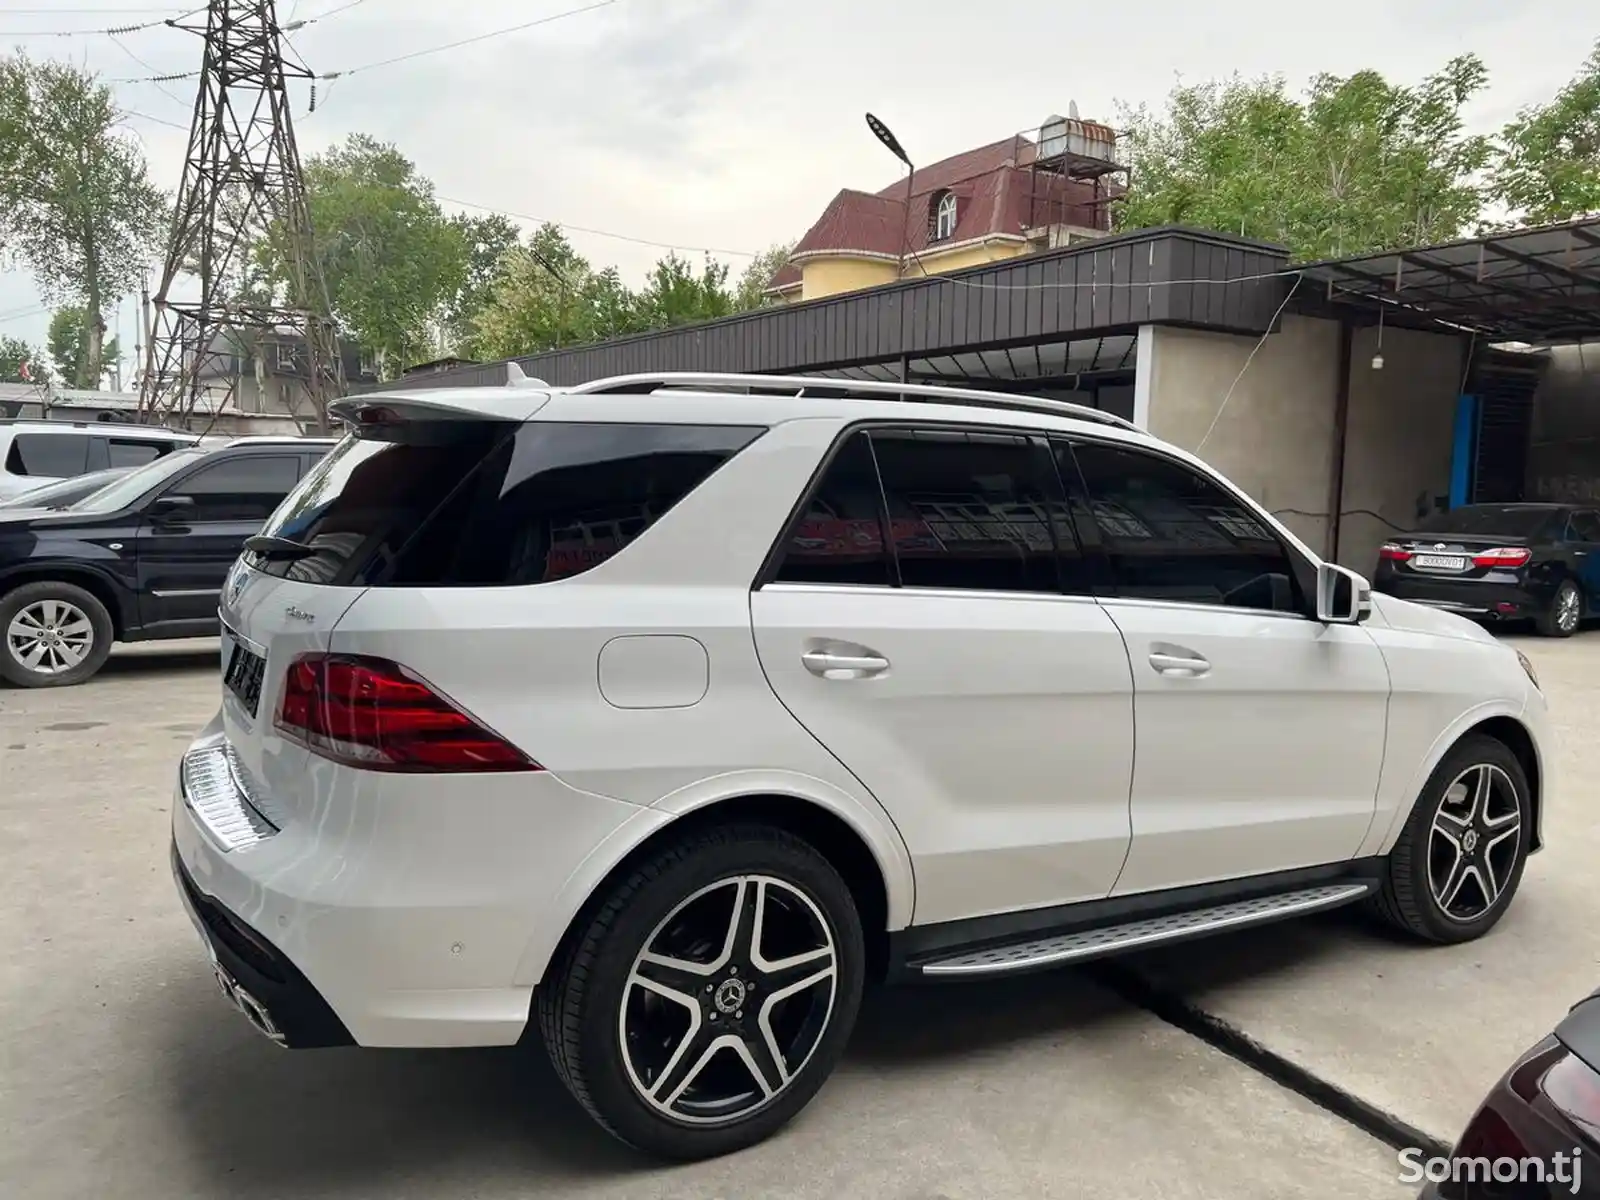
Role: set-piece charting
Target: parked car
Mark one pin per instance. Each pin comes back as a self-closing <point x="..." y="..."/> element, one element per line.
<point x="34" y="453"/>
<point x="140" y="558"/>
<point x="1501" y="562"/>
<point x="661" y="713"/>
<point x="63" y="493"/>
<point x="1537" y="1133"/>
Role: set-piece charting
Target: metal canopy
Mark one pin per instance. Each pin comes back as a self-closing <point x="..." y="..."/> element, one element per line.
<point x="1530" y="285"/>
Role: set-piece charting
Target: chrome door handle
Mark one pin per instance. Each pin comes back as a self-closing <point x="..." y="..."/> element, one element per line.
<point x="1178" y="664"/>
<point x="843" y="666"/>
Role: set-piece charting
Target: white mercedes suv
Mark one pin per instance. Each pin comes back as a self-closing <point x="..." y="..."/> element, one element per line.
<point x="658" y="716"/>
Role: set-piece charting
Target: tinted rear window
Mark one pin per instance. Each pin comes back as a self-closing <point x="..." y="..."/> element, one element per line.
<point x="478" y="505"/>
<point x="58" y="455"/>
<point x="1477" y="519"/>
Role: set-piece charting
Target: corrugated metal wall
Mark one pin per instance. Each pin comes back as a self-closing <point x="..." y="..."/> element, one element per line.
<point x="1165" y="276"/>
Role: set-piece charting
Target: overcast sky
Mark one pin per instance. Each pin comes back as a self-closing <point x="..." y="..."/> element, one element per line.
<point x="728" y="124"/>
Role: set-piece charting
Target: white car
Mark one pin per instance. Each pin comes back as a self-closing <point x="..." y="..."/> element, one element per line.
<point x="36" y="453"/>
<point x="660" y="715"/>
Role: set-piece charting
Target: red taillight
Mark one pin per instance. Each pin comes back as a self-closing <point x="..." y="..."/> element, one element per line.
<point x="1502" y="556"/>
<point x="1575" y="1090"/>
<point x="1392" y="553"/>
<point x="373" y="713"/>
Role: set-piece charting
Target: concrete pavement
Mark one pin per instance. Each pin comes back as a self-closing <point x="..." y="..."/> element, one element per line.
<point x="1424" y="1032"/>
<point x="123" y="1075"/>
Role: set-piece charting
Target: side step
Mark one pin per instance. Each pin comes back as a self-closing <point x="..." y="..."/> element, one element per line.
<point x="1061" y="948"/>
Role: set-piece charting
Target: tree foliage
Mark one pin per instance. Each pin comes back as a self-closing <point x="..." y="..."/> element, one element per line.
<point x="547" y="295"/>
<point x="757" y="277"/>
<point x="76" y="201"/>
<point x="483" y="243"/>
<point x="392" y="261"/>
<point x="20" y="362"/>
<point x="68" y="344"/>
<point x="1548" y="168"/>
<point x="1358" y="164"/>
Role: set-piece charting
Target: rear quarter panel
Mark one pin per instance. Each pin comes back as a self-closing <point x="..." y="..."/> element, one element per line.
<point x="525" y="661"/>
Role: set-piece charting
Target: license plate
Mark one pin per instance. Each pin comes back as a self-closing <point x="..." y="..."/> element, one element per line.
<point x="243" y="676"/>
<point x="1440" y="562"/>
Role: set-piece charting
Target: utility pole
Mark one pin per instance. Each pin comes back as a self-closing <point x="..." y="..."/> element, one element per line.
<point x="242" y="185"/>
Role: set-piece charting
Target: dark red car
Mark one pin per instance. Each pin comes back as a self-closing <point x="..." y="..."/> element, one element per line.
<point x="1537" y="1134"/>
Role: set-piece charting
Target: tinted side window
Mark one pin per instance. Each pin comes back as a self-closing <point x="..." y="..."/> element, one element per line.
<point x="839" y="537"/>
<point x="244" y="489"/>
<point x="1173" y="534"/>
<point x="1585" y="527"/>
<point x="970" y="511"/>
<point x="61" y="455"/>
<point x="122" y="452"/>
<point x="480" y="506"/>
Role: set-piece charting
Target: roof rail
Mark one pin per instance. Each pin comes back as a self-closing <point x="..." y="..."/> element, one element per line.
<point x="846" y="389"/>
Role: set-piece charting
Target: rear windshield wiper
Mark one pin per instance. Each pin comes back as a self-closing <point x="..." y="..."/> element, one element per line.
<point x="269" y="546"/>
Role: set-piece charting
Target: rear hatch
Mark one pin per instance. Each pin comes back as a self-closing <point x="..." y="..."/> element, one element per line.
<point x="1476" y="542"/>
<point x="343" y="525"/>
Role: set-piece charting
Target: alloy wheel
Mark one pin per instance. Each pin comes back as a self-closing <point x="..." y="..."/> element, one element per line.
<point x="1474" y="843"/>
<point x="1567" y="605"/>
<point x="728" y="999"/>
<point x="50" y="637"/>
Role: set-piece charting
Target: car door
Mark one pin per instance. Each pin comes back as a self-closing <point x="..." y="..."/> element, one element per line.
<point x="920" y="623"/>
<point x="1260" y="729"/>
<point x="1583" y="545"/>
<point x="190" y="534"/>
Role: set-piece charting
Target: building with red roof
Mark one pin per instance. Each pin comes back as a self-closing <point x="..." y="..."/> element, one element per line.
<point x="1011" y="197"/>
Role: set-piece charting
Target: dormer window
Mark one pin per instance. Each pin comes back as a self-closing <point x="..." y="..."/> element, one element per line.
<point x="942" y="214"/>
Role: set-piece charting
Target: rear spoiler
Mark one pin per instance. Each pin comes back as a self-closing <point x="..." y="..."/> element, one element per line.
<point x="518" y="400"/>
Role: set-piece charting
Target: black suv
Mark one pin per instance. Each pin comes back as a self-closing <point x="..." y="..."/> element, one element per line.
<point x="140" y="559"/>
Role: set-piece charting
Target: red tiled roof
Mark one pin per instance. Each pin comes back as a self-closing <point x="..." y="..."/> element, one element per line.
<point x="992" y="185"/>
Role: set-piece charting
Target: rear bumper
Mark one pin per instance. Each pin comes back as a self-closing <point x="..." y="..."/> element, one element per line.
<point x="266" y="986"/>
<point x="411" y="911"/>
<point x="1482" y="600"/>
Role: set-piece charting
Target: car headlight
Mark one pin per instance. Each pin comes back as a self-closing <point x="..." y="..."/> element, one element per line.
<point x="1527" y="666"/>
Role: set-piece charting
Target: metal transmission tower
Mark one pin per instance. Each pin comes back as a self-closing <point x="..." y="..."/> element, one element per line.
<point x="242" y="188"/>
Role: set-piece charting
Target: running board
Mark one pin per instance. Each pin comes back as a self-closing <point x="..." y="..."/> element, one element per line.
<point x="1058" y="949"/>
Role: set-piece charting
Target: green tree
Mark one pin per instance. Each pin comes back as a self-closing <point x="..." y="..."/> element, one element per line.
<point x="1358" y="164"/>
<point x="20" y="362"/>
<point x="674" y="294"/>
<point x="68" y="344"/>
<point x="539" y="299"/>
<point x="484" y="242"/>
<point x="392" y="261"/>
<point x="76" y="201"/>
<point x="1548" y="166"/>
<point x="757" y="277"/>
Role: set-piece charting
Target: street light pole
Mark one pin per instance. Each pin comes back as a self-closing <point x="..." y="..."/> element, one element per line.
<point x="885" y="135"/>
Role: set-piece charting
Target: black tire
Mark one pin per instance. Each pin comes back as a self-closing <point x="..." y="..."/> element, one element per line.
<point x="581" y="1001"/>
<point x="1407" y="900"/>
<point x="1562" y="618"/>
<point x="16" y="671"/>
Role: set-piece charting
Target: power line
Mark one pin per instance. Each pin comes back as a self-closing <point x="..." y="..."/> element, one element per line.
<point x="400" y="58"/>
<point x="605" y="233"/>
<point x="121" y="45"/>
<point x="114" y="31"/>
<point x="154" y="120"/>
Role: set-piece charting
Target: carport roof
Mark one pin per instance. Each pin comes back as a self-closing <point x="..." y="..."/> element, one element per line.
<point x="1528" y="285"/>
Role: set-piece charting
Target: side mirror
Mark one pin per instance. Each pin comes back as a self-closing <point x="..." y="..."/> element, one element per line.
<point x="1343" y="597"/>
<point x="174" y="509"/>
